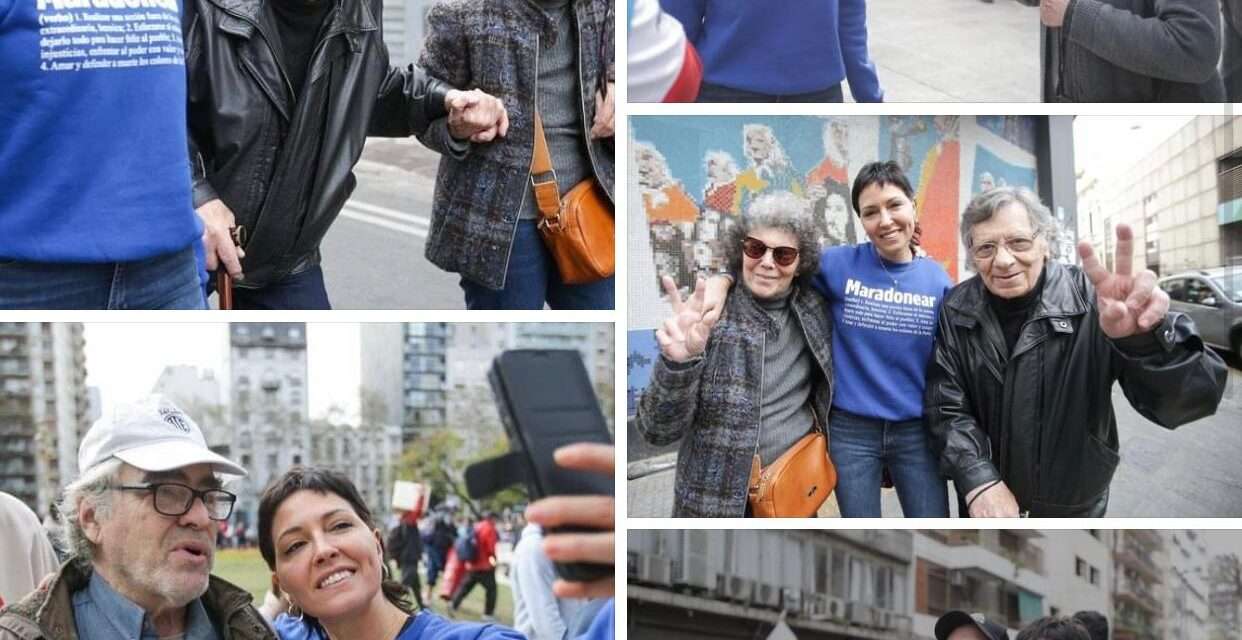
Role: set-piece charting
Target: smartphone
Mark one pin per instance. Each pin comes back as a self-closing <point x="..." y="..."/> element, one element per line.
<point x="546" y="401"/>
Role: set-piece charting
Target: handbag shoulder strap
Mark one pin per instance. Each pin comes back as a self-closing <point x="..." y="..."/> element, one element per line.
<point x="543" y="178"/>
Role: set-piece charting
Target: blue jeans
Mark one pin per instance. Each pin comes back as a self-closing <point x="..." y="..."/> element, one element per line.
<point x="861" y="448"/>
<point x="532" y="279"/>
<point x="303" y="290"/>
<point x="718" y="93"/>
<point x="168" y="281"/>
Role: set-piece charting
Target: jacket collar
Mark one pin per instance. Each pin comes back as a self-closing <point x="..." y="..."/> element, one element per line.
<point x="351" y="16"/>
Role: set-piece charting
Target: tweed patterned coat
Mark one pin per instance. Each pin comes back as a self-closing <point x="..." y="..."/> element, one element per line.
<point x="713" y="404"/>
<point x="493" y="45"/>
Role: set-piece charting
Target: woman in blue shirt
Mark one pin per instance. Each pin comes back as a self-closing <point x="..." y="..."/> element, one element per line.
<point x="318" y="538"/>
<point x="779" y="50"/>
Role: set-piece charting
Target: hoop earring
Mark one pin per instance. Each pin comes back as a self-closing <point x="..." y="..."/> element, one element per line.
<point x="387" y="573"/>
<point x="299" y="609"/>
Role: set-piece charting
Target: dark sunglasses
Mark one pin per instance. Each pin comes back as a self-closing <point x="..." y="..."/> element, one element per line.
<point x="754" y="249"/>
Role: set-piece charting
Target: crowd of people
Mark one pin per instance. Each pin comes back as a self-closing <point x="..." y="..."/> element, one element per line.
<point x="149" y="177"/>
<point x="1002" y="383"/>
<point x="139" y="527"/>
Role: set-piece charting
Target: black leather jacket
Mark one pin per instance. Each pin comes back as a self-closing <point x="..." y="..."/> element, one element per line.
<point x="1042" y="418"/>
<point x="284" y="165"/>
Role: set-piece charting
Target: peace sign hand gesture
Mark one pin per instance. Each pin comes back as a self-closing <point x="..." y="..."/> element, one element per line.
<point x="1127" y="304"/>
<point x="684" y="335"/>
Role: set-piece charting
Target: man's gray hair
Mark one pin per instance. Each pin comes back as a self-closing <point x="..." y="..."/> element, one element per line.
<point x="94" y="486"/>
<point x="985" y="205"/>
<point x="777" y="210"/>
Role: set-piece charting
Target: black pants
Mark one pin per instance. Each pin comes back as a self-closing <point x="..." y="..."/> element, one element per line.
<point x="409" y="578"/>
<point x="485" y="578"/>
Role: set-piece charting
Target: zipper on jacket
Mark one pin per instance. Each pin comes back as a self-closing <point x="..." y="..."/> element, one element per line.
<point x="586" y="126"/>
<point x="504" y="278"/>
<point x="763" y="348"/>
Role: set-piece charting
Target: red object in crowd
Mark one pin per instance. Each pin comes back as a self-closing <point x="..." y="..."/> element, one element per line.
<point x="486" y="535"/>
<point x="454" y="573"/>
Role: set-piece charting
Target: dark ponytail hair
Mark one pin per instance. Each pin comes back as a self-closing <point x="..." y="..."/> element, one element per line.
<point x="326" y="482"/>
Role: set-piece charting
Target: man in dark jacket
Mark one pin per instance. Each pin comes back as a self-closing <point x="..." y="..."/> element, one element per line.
<point x="1131" y="50"/>
<point x="282" y="95"/>
<point x="405" y="544"/>
<point x="484" y="221"/>
<point x="1019" y="391"/>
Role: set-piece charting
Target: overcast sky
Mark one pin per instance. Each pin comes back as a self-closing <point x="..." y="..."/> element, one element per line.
<point x="1107" y="145"/>
<point x="125" y="359"/>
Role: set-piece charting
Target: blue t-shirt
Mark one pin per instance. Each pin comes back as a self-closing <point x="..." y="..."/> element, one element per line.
<point x="425" y="626"/>
<point x="882" y="332"/>
<point x="602" y="627"/>
<point x="93" y="159"/>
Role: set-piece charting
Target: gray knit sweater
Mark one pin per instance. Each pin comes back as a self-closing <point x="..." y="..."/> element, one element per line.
<point x="558" y="103"/>
<point x="787" y="370"/>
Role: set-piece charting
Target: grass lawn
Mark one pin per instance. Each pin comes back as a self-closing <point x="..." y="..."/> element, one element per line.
<point x="246" y="569"/>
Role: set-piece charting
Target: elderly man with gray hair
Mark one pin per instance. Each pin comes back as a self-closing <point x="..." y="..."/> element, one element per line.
<point x="1019" y="392"/>
<point x="140" y="523"/>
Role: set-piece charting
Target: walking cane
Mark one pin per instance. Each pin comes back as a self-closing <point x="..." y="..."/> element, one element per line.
<point x="224" y="281"/>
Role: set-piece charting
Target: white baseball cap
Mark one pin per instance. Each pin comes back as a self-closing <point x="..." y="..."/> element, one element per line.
<point x="152" y="435"/>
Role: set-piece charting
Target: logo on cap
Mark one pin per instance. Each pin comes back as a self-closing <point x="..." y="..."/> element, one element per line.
<point x="175" y="418"/>
<point x="978" y="617"/>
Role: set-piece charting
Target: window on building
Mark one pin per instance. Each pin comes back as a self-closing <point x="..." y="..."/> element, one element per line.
<point x="937" y="597"/>
<point x="839" y="573"/>
<point x="1080" y="567"/>
<point x="821" y="569"/>
<point x="1095" y="576"/>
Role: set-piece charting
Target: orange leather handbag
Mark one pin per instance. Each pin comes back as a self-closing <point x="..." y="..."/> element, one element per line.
<point x="795" y="484"/>
<point x="579" y="228"/>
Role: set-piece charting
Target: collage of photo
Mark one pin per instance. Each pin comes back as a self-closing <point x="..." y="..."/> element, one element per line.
<point x="421" y="319"/>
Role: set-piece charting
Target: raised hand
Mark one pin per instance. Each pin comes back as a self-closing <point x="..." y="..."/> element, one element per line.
<point x="1127" y="304"/>
<point x="684" y="335"/>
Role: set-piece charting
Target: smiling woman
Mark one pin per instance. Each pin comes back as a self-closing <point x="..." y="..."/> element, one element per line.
<point x="319" y="539"/>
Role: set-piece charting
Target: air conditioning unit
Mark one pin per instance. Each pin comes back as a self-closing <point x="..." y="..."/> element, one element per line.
<point x="766" y="595"/>
<point x="837" y="609"/>
<point x="957" y="579"/>
<point x="791" y="602"/>
<point x="884" y="619"/>
<point x="815" y="606"/>
<point x="859" y="614"/>
<point x="658" y="570"/>
<point x="734" y="588"/>
<point x="903" y="624"/>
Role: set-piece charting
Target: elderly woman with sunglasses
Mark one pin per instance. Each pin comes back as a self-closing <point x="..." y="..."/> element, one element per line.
<point x="753" y="384"/>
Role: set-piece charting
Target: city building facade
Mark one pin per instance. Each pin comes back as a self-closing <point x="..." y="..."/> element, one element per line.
<point x="367" y="453"/>
<point x="44" y="409"/>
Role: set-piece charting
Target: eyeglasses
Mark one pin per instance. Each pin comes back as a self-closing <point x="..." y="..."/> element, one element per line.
<point x="1015" y="246"/>
<point x="176" y="499"/>
<point x="755" y="249"/>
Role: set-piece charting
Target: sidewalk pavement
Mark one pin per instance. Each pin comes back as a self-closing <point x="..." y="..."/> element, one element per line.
<point x="955" y="50"/>
<point x="1190" y="472"/>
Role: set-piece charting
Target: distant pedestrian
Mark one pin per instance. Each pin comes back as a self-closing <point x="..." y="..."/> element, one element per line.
<point x="478" y="552"/>
<point x="1094" y="622"/>
<point x="1054" y="628"/>
<point x="405" y="543"/>
<point x="537" y="612"/>
<point x="438" y="543"/>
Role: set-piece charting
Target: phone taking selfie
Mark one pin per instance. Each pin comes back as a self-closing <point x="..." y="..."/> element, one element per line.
<point x="546" y="401"/>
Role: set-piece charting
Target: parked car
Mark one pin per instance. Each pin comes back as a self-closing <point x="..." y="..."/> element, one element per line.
<point x="1213" y="299"/>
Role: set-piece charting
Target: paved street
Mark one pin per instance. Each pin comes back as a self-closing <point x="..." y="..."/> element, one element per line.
<point x="373" y="254"/>
<point x="955" y="50"/>
<point x="1190" y="472"/>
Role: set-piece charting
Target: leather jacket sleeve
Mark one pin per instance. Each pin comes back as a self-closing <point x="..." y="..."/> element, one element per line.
<point x="190" y="24"/>
<point x="668" y="406"/>
<point x="962" y="447"/>
<point x="407" y="103"/>
<point x="1168" y="375"/>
